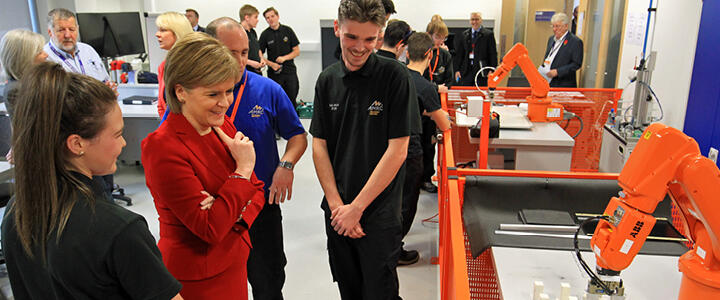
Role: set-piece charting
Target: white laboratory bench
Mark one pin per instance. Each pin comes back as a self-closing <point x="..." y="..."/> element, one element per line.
<point x="543" y="147"/>
<point x="140" y="119"/>
<point x="649" y="277"/>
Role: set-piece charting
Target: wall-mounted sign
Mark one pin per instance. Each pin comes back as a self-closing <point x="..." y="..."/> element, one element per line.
<point x="543" y="16"/>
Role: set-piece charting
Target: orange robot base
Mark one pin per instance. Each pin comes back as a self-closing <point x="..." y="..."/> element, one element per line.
<point x="540" y="106"/>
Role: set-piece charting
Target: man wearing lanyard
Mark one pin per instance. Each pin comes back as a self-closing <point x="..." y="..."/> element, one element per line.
<point x="475" y="49"/>
<point x="564" y="54"/>
<point x="259" y="110"/>
<point x="64" y="49"/>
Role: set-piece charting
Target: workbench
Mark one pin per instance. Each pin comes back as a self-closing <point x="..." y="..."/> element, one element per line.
<point x="649" y="277"/>
<point x="140" y="119"/>
<point x="543" y="147"/>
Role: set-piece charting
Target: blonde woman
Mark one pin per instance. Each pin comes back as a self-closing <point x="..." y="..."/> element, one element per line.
<point x="172" y="26"/>
<point x="19" y="50"/>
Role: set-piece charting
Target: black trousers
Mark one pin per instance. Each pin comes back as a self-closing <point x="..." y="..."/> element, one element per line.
<point x="365" y="268"/>
<point x="289" y="83"/>
<point x="428" y="131"/>
<point x="411" y="190"/>
<point x="266" y="263"/>
<point x="469" y="79"/>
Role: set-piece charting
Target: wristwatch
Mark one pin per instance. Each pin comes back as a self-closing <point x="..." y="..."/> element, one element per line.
<point x="286" y="164"/>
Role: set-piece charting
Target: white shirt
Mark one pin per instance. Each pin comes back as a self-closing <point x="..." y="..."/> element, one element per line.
<point x="545" y="66"/>
<point x="86" y="60"/>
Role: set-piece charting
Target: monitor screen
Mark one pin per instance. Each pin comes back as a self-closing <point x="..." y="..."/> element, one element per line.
<point x="112" y="34"/>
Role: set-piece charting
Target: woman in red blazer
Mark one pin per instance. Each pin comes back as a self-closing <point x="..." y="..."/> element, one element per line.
<point x="199" y="171"/>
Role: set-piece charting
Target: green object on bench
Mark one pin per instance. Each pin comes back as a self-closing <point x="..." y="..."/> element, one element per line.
<point x="305" y="110"/>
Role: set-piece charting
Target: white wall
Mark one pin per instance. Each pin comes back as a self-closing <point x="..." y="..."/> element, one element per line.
<point x="675" y="40"/>
<point x="304" y="17"/>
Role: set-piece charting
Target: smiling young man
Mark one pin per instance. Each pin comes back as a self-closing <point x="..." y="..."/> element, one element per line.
<point x="363" y="117"/>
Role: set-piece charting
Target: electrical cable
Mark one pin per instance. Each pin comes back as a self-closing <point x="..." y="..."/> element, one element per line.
<point x="480" y="72"/>
<point x="662" y="113"/>
<point x="430" y="219"/>
<point x="624" y="115"/>
<point x="593" y="277"/>
<point x="647" y="29"/>
<point x="582" y="125"/>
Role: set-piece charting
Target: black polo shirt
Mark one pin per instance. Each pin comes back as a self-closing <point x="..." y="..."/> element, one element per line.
<point x="385" y="53"/>
<point x="253" y="49"/>
<point x="278" y="43"/>
<point x="105" y="252"/>
<point x="442" y="66"/>
<point x="357" y="113"/>
<point x="427" y="95"/>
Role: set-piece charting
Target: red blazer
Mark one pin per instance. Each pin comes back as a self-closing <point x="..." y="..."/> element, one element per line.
<point x="162" y="106"/>
<point x="198" y="244"/>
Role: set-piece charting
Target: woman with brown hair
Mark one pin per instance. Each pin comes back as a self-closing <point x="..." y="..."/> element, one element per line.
<point x="61" y="237"/>
<point x="197" y="154"/>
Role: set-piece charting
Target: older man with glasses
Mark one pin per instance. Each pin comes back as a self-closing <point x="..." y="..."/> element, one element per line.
<point x="564" y="54"/>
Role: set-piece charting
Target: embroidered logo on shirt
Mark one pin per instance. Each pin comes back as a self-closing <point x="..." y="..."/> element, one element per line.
<point x="285" y="39"/>
<point x="334" y="106"/>
<point x="256" y="111"/>
<point x="375" y="108"/>
<point x="270" y="42"/>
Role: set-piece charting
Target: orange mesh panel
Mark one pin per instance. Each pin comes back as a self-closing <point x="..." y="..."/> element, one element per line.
<point x="482" y="276"/>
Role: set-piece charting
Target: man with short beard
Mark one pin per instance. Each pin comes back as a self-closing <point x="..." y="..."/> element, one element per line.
<point x="64" y="49"/>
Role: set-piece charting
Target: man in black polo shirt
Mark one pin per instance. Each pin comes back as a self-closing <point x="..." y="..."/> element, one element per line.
<point x="361" y="125"/>
<point x="248" y="20"/>
<point x="281" y="45"/>
<point x="395" y="39"/>
<point x="419" y="46"/>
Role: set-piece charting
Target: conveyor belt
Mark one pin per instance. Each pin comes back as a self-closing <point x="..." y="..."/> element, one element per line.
<point x="493" y="200"/>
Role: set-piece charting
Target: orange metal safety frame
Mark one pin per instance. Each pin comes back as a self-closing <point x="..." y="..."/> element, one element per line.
<point x="454" y="255"/>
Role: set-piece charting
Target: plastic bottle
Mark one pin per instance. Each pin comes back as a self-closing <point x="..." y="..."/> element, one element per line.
<point x="611" y="118"/>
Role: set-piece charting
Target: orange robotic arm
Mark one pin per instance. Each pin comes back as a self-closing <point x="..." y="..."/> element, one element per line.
<point x="665" y="160"/>
<point x="540" y="107"/>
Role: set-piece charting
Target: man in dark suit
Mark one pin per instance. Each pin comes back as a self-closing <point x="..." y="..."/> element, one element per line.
<point x="474" y="49"/>
<point x="193" y="16"/>
<point x="564" y="54"/>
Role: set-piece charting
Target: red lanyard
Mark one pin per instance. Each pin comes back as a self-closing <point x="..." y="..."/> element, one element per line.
<point x="433" y="68"/>
<point x="237" y="99"/>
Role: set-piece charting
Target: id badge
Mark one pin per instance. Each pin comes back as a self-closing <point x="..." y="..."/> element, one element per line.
<point x="472" y="55"/>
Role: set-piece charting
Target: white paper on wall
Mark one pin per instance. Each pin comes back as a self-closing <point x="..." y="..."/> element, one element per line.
<point x="635" y="28"/>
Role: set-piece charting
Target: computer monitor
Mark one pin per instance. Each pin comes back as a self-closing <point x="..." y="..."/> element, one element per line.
<point x="112" y="34"/>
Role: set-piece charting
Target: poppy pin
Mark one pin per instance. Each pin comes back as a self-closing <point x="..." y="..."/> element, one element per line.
<point x="565" y="42"/>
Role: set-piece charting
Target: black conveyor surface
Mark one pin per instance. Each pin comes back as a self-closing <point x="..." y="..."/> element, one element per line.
<point x="494" y="200"/>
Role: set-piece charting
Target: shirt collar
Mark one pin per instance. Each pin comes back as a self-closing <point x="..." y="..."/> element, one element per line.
<point x="195" y="28"/>
<point x="562" y="37"/>
<point x="61" y="51"/>
<point x="366" y="70"/>
<point x="242" y="79"/>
